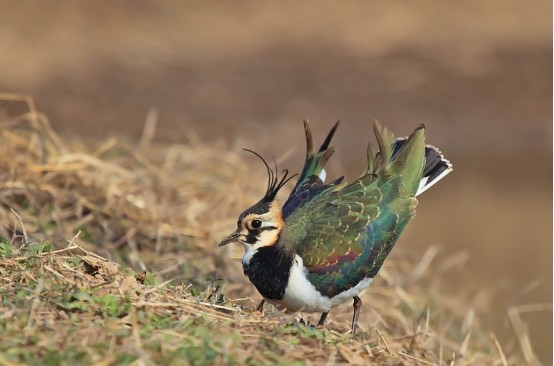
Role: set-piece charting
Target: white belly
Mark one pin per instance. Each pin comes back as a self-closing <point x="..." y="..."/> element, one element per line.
<point x="301" y="295"/>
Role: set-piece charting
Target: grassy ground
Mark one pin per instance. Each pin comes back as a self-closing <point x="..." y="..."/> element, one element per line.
<point x="74" y="219"/>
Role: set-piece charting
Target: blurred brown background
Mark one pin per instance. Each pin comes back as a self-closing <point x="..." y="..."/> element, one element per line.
<point x="477" y="73"/>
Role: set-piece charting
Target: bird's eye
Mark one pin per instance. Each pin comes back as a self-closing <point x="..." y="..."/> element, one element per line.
<point x="256" y="224"/>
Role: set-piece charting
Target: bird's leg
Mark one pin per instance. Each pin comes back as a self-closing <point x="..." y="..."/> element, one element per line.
<point x="260" y="306"/>
<point x="357" y="305"/>
<point x="322" y="319"/>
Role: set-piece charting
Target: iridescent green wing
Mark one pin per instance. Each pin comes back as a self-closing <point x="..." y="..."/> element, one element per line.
<point x="345" y="233"/>
<point x="311" y="180"/>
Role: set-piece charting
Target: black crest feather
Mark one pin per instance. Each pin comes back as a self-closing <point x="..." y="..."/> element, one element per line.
<point x="275" y="181"/>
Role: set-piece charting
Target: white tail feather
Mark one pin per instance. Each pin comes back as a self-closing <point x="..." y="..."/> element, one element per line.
<point x="425" y="185"/>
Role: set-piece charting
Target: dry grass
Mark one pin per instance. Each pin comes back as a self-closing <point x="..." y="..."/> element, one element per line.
<point x="160" y="211"/>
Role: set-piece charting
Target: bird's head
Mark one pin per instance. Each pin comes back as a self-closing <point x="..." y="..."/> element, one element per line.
<point x="260" y="225"/>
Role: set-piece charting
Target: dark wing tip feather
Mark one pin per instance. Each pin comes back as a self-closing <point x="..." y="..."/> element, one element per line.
<point x="329" y="137"/>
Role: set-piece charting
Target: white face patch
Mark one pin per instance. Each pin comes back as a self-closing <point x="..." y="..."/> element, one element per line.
<point x="267" y="223"/>
<point x="249" y="251"/>
<point x="267" y="237"/>
<point x="265" y="228"/>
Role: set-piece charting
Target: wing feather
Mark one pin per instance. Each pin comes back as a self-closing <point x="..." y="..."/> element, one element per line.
<point x="311" y="180"/>
<point x="345" y="232"/>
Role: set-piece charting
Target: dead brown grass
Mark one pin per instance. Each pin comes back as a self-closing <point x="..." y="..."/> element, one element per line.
<point x="161" y="209"/>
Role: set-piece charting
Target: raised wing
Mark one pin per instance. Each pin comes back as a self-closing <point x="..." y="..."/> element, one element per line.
<point x="344" y="233"/>
<point x="311" y="181"/>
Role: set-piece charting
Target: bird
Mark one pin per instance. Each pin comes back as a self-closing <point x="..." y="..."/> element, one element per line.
<point x="328" y="241"/>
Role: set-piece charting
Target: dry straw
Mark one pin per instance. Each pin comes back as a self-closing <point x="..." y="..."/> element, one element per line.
<point x="161" y="208"/>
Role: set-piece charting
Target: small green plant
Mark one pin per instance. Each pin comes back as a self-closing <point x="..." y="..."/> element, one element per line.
<point x="113" y="306"/>
<point x="74" y="262"/>
<point x="6" y="249"/>
<point x="149" y="279"/>
<point x="76" y="301"/>
<point x="38" y="248"/>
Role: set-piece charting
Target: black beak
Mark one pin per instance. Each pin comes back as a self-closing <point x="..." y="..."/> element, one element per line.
<point x="230" y="239"/>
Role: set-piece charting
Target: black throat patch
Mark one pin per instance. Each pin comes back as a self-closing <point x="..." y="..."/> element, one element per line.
<point x="269" y="270"/>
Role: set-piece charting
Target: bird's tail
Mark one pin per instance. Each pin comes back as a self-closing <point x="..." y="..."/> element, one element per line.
<point x="436" y="166"/>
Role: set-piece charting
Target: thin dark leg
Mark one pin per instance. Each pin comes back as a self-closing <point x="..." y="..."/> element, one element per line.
<point x="357" y="306"/>
<point x="322" y="319"/>
<point x="260" y="306"/>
